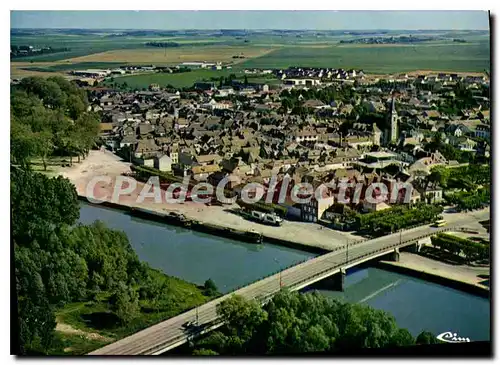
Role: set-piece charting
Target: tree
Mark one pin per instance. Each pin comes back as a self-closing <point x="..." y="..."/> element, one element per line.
<point x="210" y="289"/>
<point x="125" y="303"/>
<point x="76" y="106"/>
<point x="43" y="146"/>
<point x="22" y="143"/>
<point x="426" y="338"/>
<point x="296" y="323"/>
<point x="38" y="201"/>
<point x="204" y="352"/>
<point x="402" y="337"/>
<point x="245" y="80"/>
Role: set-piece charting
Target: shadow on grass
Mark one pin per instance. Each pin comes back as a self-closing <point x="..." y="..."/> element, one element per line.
<point x="101" y="320"/>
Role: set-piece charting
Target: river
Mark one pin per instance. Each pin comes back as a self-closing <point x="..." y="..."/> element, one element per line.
<point x="416" y="304"/>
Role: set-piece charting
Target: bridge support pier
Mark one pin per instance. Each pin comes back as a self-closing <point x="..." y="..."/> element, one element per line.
<point x="338" y="280"/>
<point x="394" y="256"/>
<point x="415" y="248"/>
<point x="332" y="282"/>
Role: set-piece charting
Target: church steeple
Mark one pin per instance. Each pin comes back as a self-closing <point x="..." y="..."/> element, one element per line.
<point x="393" y="131"/>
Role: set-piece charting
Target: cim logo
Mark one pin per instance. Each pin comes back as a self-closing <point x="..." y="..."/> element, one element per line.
<point x="451" y="337"/>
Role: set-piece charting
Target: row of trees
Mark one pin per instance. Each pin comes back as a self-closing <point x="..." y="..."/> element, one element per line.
<point x="469" y="200"/>
<point x="469" y="177"/>
<point x="293" y="323"/>
<point x="49" y="116"/>
<point x="472" y="251"/>
<point x="396" y="218"/>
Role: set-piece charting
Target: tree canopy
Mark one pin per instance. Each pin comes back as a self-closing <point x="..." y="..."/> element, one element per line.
<point x="49" y="116"/>
<point x="297" y="323"/>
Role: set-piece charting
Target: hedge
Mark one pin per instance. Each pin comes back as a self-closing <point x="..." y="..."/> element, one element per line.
<point x="455" y="245"/>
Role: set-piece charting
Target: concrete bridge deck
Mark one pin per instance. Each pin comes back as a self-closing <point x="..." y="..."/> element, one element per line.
<point x="169" y="334"/>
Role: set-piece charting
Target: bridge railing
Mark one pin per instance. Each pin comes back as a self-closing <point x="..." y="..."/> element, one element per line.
<point x="268" y="295"/>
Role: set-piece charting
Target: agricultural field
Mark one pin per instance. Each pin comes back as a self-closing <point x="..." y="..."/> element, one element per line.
<point x="179" y="80"/>
<point x="382" y="58"/>
<point x="174" y="56"/>
<point x="264" y="49"/>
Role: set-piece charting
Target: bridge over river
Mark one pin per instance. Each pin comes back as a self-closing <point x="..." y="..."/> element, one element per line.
<point x="169" y="334"/>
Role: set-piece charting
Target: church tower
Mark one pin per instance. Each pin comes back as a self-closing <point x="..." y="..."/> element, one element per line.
<point x="392" y="135"/>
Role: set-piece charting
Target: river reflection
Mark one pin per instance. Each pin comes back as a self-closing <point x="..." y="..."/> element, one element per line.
<point x="196" y="256"/>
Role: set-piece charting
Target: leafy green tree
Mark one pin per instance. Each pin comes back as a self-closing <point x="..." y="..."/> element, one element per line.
<point x="204" y="352"/>
<point x="22" y="143"/>
<point x="296" y="323"/>
<point x="43" y="146"/>
<point x="402" y="337"/>
<point x="37" y="200"/>
<point x="426" y="338"/>
<point x="125" y="303"/>
<point x="210" y="289"/>
<point x="76" y="107"/>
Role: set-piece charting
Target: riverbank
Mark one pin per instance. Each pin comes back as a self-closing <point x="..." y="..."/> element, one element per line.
<point x="82" y="327"/>
<point x="307" y="236"/>
<point x="461" y="277"/>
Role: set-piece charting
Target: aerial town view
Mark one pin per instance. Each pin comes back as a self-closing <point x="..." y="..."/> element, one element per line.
<point x="250" y="183"/>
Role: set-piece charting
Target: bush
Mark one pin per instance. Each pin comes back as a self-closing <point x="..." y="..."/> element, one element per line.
<point x="210" y="289"/>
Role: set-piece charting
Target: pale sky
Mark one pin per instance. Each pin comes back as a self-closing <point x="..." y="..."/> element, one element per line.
<point x="320" y="20"/>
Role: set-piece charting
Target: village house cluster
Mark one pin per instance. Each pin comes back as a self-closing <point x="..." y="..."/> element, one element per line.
<point x="241" y="130"/>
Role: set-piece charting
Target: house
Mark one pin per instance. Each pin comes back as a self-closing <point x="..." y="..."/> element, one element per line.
<point x="145" y="147"/>
<point x="128" y="140"/>
<point x="374" y="206"/>
<point x="201" y="173"/>
<point x="106" y="128"/>
<point x="315" y="208"/>
<point x="145" y="128"/>
<point x="483" y="131"/>
<point x="145" y="161"/>
<point x="226" y="91"/>
<point x="181" y="123"/>
<point x="313" y="104"/>
<point x="205" y="160"/>
<point x="307" y="134"/>
<point x="434" y="194"/>
<point x="467" y="144"/>
<point x="456" y="130"/>
<point x="163" y="163"/>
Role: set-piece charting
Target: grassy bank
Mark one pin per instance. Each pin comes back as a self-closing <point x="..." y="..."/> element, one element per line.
<point x="86" y="326"/>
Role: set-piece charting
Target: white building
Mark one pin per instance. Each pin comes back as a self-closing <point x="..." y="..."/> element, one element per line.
<point x="163" y="163"/>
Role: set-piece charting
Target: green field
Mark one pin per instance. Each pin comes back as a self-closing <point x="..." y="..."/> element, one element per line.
<point x="382" y="59"/>
<point x="82" y="45"/>
<point x="313" y="49"/>
<point x="185" y="79"/>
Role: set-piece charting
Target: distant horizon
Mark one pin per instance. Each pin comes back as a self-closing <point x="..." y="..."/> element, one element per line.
<point x="256" y="29"/>
<point x="325" y="20"/>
